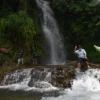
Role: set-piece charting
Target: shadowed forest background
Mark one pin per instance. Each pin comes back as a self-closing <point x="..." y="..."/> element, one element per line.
<point x="20" y="28"/>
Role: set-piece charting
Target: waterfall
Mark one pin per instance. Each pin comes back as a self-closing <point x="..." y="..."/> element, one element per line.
<point x="31" y="79"/>
<point x="52" y="34"/>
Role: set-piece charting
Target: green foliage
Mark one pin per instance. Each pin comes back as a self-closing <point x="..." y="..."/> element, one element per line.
<point x="22" y="23"/>
<point x="17" y="32"/>
<point x="3" y="23"/>
<point x="98" y="23"/>
<point x="92" y="53"/>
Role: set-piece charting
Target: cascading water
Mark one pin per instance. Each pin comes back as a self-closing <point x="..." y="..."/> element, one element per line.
<point x="52" y="34"/>
<point x="29" y="80"/>
<point x="86" y="86"/>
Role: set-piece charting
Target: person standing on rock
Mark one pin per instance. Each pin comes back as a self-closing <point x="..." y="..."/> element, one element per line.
<point x="20" y="58"/>
<point x="82" y="56"/>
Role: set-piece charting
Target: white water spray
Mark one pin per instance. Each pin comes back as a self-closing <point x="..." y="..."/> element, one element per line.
<point x="52" y="34"/>
<point x="38" y="80"/>
<point x="86" y="86"/>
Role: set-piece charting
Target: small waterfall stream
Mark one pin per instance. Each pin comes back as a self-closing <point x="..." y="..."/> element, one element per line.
<point x="52" y="34"/>
<point x="29" y="80"/>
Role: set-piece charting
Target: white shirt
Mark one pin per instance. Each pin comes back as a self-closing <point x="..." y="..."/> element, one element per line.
<point x="81" y="53"/>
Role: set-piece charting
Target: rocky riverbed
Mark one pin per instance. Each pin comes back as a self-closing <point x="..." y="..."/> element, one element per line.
<point x="61" y="76"/>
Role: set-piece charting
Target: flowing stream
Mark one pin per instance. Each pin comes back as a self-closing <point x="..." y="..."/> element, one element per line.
<point x="35" y="84"/>
<point x="52" y="35"/>
<point x="38" y="80"/>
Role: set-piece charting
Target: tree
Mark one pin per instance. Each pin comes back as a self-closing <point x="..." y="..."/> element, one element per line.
<point x="18" y="30"/>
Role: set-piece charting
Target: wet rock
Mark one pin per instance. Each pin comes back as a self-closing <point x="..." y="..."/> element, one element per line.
<point x="60" y="76"/>
<point x="64" y="76"/>
<point x="42" y="85"/>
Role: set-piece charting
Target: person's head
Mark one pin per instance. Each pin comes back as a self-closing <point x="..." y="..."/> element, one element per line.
<point x="79" y="47"/>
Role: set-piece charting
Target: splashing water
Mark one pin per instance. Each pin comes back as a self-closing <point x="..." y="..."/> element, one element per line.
<point x="86" y="86"/>
<point x="29" y="80"/>
<point x="52" y="34"/>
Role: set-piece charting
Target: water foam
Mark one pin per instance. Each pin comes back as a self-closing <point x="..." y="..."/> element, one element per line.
<point x="86" y="86"/>
<point x="38" y="80"/>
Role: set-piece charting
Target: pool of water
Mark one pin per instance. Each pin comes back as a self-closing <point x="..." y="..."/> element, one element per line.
<point x="18" y="95"/>
<point x="6" y="94"/>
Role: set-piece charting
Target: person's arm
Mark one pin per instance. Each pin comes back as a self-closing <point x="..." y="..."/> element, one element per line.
<point x="75" y="49"/>
<point x="85" y="55"/>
